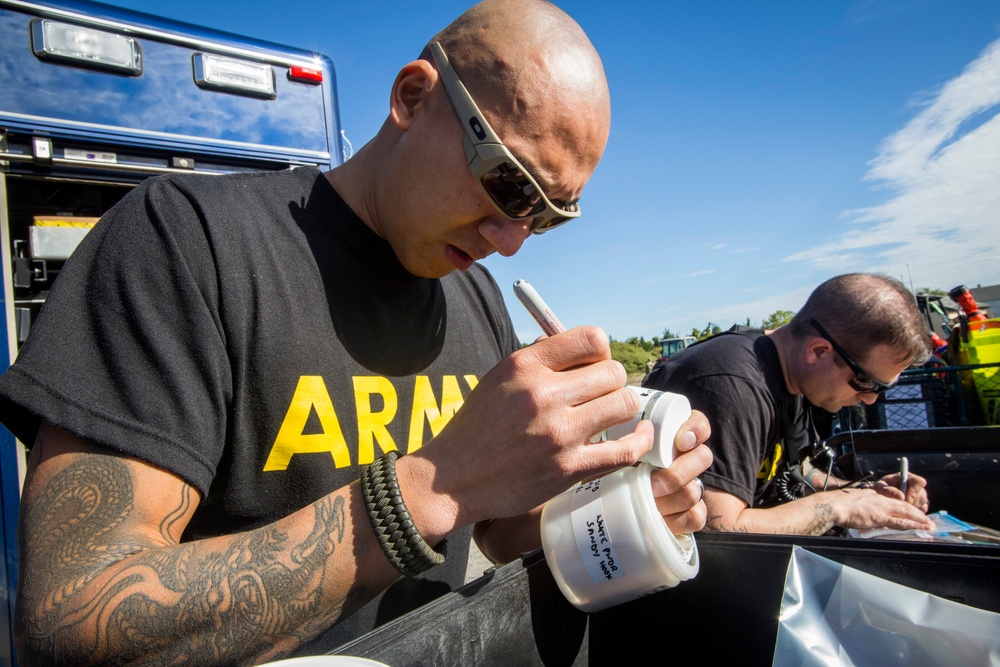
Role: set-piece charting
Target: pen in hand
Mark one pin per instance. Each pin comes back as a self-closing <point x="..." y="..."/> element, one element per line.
<point x="546" y="319"/>
<point x="538" y="308"/>
<point x="904" y="473"/>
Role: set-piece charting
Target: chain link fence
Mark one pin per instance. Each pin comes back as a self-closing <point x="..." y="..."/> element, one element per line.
<point x="931" y="397"/>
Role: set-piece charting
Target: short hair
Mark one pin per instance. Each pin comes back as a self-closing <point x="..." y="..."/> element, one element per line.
<point x="863" y="310"/>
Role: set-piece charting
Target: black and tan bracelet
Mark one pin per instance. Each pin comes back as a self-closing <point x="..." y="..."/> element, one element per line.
<point x="401" y="541"/>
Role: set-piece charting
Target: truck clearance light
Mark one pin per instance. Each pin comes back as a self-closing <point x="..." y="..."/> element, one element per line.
<point x="305" y="74"/>
<point x="233" y="75"/>
<point x="86" y="47"/>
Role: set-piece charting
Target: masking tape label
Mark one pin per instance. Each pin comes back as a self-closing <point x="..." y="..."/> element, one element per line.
<point x="90" y="156"/>
<point x="592" y="536"/>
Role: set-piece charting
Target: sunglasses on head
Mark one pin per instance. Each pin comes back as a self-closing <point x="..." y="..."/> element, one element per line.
<point x="507" y="183"/>
<point x="862" y="382"/>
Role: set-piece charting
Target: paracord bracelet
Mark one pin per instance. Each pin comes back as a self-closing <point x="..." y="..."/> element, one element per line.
<point x="401" y="541"/>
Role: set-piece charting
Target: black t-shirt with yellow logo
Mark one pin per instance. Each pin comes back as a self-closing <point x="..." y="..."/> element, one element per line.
<point x="735" y="378"/>
<point x="252" y="335"/>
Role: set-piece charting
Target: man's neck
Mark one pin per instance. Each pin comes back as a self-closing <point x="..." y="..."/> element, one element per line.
<point x="353" y="182"/>
<point x="785" y="345"/>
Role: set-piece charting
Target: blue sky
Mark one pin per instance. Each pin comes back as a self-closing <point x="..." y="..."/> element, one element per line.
<point x="757" y="148"/>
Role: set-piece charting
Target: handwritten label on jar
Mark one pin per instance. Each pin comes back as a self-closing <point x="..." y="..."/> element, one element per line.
<point x="592" y="536"/>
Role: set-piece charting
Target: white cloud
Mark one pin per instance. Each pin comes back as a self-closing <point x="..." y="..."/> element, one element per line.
<point x="695" y="274"/>
<point x="942" y="224"/>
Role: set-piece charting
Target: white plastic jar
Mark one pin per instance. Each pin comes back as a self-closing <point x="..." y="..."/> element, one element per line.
<point x="604" y="540"/>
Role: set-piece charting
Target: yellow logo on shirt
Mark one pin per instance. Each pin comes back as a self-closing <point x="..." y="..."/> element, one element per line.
<point x="769" y="468"/>
<point x="311" y="395"/>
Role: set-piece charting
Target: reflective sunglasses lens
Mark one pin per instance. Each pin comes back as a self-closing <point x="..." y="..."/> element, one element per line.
<point x="865" y="385"/>
<point x="861" y="387"/>
<point x="512" y="191"/>
<point x="541" y="225"/>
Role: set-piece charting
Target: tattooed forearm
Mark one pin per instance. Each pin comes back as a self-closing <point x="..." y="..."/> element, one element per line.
<point x="89" y="591"/>
<point x="714" y="522"/>
<point x="815" y="522"/>
<point x="818" y="522"/>
<point x="822" y="520"/>
<point x="232" y="603"/>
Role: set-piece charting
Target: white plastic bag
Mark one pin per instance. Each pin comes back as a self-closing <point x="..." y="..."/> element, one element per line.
<point x="835" y="615"/>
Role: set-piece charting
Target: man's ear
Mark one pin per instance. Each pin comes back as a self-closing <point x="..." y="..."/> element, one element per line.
<point x="816" y="349"/>
<point x="409" y="92"/>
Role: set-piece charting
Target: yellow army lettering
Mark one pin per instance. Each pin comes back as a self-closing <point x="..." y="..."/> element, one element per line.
<point x="311" y="394"/>
<point x="769" y="468"/>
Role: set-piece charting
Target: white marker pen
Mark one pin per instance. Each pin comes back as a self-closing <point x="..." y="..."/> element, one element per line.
<point x="538" y="308"/>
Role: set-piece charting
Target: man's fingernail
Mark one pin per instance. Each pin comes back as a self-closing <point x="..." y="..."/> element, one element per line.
<point x="689" y="439"/>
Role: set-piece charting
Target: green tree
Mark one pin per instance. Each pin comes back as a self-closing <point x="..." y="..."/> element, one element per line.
<point x="777" y="318"/>
<point x="640" y="341"/>
<point x="710" y="330"/>
<point x="632" y="357"/>
<point x="667" y="333"/>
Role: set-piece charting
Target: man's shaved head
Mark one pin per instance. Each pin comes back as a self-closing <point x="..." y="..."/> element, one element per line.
<point x="532" y="70"/>
<point x="539" y="83"/>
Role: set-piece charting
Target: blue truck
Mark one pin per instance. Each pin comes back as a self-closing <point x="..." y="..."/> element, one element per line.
<point x="94" y="99"/>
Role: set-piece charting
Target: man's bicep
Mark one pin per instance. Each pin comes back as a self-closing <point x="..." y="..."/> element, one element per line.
<point x="740" y="415"/>
<point x="108" y="505"/>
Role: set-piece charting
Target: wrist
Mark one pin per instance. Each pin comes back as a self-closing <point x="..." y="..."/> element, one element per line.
<point x="434" y="510"/>
<point x="402" y="543"/>
<point x="839" y="501"/>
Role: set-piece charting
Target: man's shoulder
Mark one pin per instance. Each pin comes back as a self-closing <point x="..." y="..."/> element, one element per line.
<point x="730" y="352"/>
<point x="729" y="357"/>
<point x="244" y="183"/>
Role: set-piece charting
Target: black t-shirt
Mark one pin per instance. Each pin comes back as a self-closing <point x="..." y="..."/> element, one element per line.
<point x="736" y="380"/>
<point x="252" y="335"/>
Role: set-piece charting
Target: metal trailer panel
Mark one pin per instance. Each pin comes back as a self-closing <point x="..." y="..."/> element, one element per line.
<point x="164" y="107"/>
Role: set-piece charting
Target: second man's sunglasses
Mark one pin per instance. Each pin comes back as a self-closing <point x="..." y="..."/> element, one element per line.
<point x="863" y="382"/>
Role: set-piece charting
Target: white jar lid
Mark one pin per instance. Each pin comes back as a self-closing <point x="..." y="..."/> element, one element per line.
<point x="667" y="411"/>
